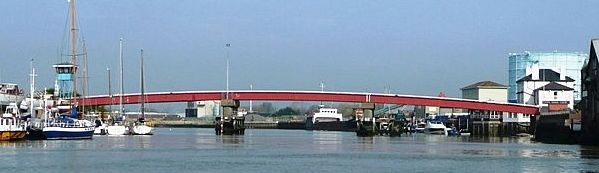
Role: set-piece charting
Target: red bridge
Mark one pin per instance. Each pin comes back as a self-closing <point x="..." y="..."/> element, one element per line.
<point x="187" y="96"/>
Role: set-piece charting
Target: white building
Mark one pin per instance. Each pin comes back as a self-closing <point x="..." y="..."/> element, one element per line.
<point x="515" y="118"/>
<point x="570" y="62"/>
<point x="203" y="109"/>
<point x="492" y="91"/>
<point x="208" y="108"/>
<point x="485" y="91"/>
<point x="546" y="88"/>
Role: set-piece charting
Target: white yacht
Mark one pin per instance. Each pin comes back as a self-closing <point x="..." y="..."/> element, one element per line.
<point x="435" y="127"/>
<point x="140" y="127"/>
<point x="117" y="128"/>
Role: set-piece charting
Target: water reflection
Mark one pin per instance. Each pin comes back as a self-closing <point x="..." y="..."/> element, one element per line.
<point x="184" y="150"/>
<point x="589" y="152"/>
<point x="234" y="140"/>
<point x="144" y="141"/>
<point x="326" y="140"/>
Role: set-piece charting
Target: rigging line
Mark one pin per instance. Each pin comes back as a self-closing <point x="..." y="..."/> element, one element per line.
<point x="63" y="40"/>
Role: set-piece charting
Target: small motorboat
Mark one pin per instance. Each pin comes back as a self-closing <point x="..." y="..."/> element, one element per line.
<point x="435" y="127"/>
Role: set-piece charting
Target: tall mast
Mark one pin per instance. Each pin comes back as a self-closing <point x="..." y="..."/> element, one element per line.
<point x="73" y="38"/>
<point x="109" y="92"/>
<point x="32" y="90"/>
<point x="227" y="71"/>
<point x="143" y="97"/>
<point x="121" y="83"/>
<point x="85" y="87"/>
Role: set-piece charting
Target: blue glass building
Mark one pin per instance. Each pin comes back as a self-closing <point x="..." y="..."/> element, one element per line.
<point x="571" y="62"/>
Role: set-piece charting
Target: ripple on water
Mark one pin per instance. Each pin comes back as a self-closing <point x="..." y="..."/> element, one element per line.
<point x="199" y="150"/>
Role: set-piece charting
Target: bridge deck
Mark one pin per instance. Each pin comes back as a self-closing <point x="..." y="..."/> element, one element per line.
<point x="187" y="96"/>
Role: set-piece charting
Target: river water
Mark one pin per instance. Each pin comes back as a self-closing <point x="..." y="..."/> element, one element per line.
<point x="199" y="150"/>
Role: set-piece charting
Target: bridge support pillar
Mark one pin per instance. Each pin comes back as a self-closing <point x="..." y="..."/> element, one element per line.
<point x="369" y="124"/>
<point x="365" y="120"/>
<point x="229" y="123"/>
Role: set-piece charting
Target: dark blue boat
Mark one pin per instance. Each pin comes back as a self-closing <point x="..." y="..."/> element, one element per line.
<point x="68" y="127"/>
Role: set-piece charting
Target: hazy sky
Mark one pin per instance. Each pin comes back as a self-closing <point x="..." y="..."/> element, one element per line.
<point x="417" y="47"/>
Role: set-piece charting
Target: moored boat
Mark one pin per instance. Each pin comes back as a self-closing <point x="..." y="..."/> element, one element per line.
<point x="435" y="127"/>
<point x="140" y="127"/>
<point x="420" y="126"/>
<point x="100" y="128"/>
<point x="328" y="119"/>
<point x="117" y="128"/>
<point x="67" y="126"/>
<point x="11" y="126"/>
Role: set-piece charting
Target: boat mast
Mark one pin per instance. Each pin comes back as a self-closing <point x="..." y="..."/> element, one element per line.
<point x="73" y="38"/>
<point x="45" y="108"/>
<point x="32" y="90"/>
<point x="143" y="97"/>
<point x="227" y="71"/>
<point x="109" y="92"/>
<point x="85" y="87"/>
<point x="121" y="83"/>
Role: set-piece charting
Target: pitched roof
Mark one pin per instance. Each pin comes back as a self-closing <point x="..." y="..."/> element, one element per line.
<point x="485" y="84"/>
<point x="595" y="44"/>
<point x="555" y="86"/>
<point x="546" y="75"/>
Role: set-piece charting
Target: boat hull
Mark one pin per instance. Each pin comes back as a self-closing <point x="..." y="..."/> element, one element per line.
<point x="35" y="134"/>
<point x="101" y="130"/>
<point x="12" y="135"/>
<point x="58" y="133"/>
<point x="142" y="130"/>
<point x="435" y="131"/>
<point x="116" y="130"/>
<point x="346" y="126"/>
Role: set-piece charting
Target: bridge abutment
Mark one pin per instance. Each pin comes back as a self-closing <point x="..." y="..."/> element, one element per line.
<point x="230" y="123"/>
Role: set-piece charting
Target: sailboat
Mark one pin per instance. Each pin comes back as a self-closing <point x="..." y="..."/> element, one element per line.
<point x="140" y="127"/>
<point x="118" y="127"/>
<point x="63" y="121"/>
